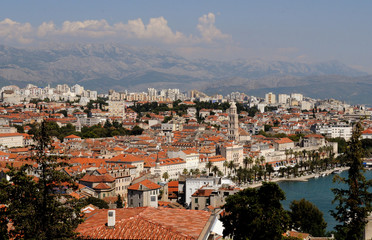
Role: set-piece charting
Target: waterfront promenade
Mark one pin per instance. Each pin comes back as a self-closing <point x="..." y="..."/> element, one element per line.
<point x="303" y="178"/>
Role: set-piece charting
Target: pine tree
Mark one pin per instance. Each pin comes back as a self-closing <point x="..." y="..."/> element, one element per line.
<point x="306" y="217"/>
<point x="39" y="208"/>
<point x="256" y="214"/>
<point x="354" y="202"/>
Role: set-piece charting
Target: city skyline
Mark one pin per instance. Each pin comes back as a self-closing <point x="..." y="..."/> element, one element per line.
<point x="313" y="31"/>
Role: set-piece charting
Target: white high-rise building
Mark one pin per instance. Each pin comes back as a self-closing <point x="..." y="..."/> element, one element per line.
<point x="77" y="89"/>
<point x="270" y="98"/>
<point x="297" y="96"/>
<point x="116" y="108"/>
<point x="283" y="98"/>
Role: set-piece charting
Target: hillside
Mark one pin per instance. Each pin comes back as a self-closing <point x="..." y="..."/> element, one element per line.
<point x="105" y="66"/>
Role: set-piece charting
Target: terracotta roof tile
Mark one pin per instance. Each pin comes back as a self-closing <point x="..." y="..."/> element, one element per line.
<point x="147" y="183"/>
<point x="146" y="223"/>
<point x="100" y="178"/>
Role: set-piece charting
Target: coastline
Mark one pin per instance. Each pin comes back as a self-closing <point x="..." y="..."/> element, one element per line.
<point x="294" y="179"/>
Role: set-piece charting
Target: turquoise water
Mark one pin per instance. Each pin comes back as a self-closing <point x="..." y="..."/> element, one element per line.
<point x="318" y="191"/>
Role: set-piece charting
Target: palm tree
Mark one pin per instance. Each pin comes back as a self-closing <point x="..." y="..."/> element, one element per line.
<point x="185" y="172"/>
<point x="296" y="155"/>
<point x="209" y="166"/>
<point x="295" y="170"/>
<point x="262" y="160"/>
<point x="240" y="174"/>
<point x="250" y="161"/>
<point x="255" y="169"/>
<point x="215" y="170"/>
<point x="231" y="166"/>
<point x="286" y="154"/>
<point x="225" y="165"/>
<point x="289" y="169"/>
<point x="291" y="152"/>
<point x="245" y="162"/>
<point x="269" y="169"/>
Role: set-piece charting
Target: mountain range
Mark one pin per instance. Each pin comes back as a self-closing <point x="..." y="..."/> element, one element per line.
<point x="114" y="66"/>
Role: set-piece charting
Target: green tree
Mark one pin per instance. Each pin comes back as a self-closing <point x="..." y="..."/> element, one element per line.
<point x="215" y="170"/>
<point x="165" y="176"/>
<point x="209" y="166"/>
<point x="94" y="201"/>
<point x="256" y="214"/>
<point x="269" y="169"/>
<point x="40" y="209"/>
<point x="136" y="130"/>
<point x="19" y="128"/>
<point x="354" y="202"/>
<point x="306" y="217"/>
<point x="119" y="202"/>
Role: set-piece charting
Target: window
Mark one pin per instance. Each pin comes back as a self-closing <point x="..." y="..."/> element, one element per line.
<point x="153" y="198"/>
<point x="196" y="200"/>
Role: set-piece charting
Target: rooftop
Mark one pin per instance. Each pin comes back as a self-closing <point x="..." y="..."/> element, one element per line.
<point x="145" y="223"/>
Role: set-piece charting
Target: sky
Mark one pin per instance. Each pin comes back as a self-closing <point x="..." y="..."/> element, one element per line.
<point x="294" y="31"/>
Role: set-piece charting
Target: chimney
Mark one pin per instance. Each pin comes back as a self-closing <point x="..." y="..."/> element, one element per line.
<point x="111" y="218"/>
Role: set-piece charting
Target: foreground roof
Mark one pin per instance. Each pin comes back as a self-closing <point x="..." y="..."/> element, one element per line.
<point x="146" y="223"/>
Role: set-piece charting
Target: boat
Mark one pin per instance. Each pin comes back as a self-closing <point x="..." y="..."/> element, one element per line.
<point x="337" y="171"/>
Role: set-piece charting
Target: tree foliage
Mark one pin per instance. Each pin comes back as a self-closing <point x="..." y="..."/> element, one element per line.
<point x="306" y="217"/>
<point x="40" y="208"/>
<point x="354" y="201"/>
<point x="119" y="202"/>
<point x="94" y="201"/>
<point x="97" y="131"/>
<point x="256" y="214"/>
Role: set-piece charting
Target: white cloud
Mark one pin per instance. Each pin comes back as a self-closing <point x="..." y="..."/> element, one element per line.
<point x="13" y="31"/>
<point x="157" y="30"/>
<point x="208" y="30"/>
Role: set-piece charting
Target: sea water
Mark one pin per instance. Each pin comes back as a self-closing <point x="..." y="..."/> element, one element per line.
<point x="317" y="191"/>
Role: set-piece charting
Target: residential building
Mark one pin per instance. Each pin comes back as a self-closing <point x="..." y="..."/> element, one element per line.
<point x="143" y="194"/>
<point x="11" y="140"/>
<point x="102" y="185"/>
<point x="270" y="98"/>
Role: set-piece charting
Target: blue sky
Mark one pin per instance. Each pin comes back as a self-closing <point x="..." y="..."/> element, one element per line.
<point x="304" y="31"/>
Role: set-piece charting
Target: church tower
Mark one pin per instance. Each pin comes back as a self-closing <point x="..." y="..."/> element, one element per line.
<point x="233" y="128"/>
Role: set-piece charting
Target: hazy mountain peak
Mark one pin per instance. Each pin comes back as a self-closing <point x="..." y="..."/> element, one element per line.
<point x="103" y="66"/>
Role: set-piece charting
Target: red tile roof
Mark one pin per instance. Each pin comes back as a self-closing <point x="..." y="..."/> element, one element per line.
<point x="283" y="140"/>
<point x="367" y="131"/>
<point x="72" y="136"/>
<point x="102" y="186"/>
<point x="146" y="183"/>
<point x="146" y="223"/>
<point x="314" y="136"/>
<point x="100" y="178"/>
<point x="203" y="193"/>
